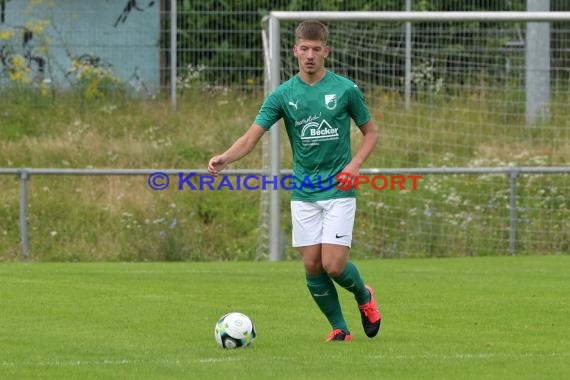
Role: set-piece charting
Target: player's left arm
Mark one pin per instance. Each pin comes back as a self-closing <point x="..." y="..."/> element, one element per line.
<point x="367" y="145"/>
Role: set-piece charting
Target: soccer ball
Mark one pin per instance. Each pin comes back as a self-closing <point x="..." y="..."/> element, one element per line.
<point x="234" y="330"/>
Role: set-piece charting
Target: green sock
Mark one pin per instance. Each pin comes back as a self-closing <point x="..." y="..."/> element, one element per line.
<point x="350" y="280"/>
<point x="324" y="293"/>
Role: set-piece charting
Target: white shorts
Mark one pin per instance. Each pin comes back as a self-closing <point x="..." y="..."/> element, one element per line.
<point x="329" y="221"/>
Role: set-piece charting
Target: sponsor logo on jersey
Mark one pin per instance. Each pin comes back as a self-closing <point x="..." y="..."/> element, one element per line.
<point x="318" y="131"/>
<point x="307" y="120"/>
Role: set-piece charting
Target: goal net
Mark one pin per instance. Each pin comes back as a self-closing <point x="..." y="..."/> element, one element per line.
<point x="479" y="108"/>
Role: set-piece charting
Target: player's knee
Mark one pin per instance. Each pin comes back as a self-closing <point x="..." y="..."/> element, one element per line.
<point x="313" y="267"/>
<point x="334" y="269"/>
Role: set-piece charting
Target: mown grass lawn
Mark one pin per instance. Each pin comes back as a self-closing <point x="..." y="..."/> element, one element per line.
<point x="469" y="318"/>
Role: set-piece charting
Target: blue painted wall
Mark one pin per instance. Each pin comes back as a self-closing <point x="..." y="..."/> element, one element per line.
<point x="121" y="33"/>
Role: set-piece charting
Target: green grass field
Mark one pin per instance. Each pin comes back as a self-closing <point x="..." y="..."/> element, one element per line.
<point x="468" y="318"/>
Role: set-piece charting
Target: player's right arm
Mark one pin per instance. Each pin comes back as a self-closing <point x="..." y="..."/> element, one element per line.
<point x="240" y="148"/>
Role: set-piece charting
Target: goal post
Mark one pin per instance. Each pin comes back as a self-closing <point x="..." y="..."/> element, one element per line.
<point x="414" y="16"/>
<point x="432" y="89"/>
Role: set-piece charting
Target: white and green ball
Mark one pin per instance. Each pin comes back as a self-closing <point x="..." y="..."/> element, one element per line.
<point x="234" y="330"/>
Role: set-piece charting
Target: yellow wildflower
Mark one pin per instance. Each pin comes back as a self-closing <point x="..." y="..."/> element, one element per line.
<point x="5" y="35"/>
<point x="37" y="26"/>
<point x="19" y="76"/>
<point x="18" y="61"/>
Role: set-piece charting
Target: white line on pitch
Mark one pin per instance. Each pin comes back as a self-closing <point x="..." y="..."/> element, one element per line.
<point x="108" y="362"/>
<point x="482" y="355"/>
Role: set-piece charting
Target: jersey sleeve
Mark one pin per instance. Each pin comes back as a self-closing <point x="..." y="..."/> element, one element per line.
<point x="270" y="112"/>
<point x="357" y="106"/>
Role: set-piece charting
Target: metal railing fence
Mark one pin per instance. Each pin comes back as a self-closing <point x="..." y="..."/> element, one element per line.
<point x="511" y="172"/>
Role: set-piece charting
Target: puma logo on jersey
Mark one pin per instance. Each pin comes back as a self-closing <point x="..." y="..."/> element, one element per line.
<point x="294" y="104"/>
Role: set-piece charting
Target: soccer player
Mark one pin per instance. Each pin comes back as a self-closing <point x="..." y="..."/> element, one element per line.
<point x="317" y="106"/>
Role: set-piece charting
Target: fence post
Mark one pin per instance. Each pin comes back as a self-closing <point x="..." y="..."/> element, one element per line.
<point x="275" y="249"/>
<point x="513" y="174"/>
<point x="173" y="52"/>
<point x="408" y="60"/>
<point x="24" y="178"/>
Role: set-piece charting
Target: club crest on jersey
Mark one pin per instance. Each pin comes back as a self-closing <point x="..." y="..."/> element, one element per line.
<point x="330" y="101"/>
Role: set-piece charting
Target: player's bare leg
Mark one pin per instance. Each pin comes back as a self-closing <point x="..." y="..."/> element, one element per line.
<point x="334" y="258"/>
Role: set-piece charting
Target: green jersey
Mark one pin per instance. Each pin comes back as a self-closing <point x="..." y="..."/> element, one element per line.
<point x="317" y="119"/>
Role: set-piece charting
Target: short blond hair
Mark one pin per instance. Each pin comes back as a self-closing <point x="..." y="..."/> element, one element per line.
<point x="312" y="30"/>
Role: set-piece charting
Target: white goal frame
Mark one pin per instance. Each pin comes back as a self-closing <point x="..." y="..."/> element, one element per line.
<point x="274" y="72"/>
